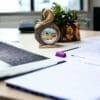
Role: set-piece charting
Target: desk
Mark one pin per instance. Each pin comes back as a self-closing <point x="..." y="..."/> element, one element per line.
<point x="27" y="42"/>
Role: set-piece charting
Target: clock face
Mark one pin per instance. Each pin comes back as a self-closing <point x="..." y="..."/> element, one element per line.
<point x="49" y="35"/>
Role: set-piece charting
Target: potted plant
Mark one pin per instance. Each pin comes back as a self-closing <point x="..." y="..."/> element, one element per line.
<point x="66" y="20"/>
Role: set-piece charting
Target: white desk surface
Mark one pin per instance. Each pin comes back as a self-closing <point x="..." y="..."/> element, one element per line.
<point x="27" y="42"/>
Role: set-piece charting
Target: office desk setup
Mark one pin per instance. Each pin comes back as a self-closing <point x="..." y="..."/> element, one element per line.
<point x="28" y="42"/>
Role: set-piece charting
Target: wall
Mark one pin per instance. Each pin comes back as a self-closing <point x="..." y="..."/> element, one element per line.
<point x="96" y="3"/>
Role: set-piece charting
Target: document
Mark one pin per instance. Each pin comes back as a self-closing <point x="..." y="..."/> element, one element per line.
<point x="89" y="52"/>
<point x="72" y="80"/>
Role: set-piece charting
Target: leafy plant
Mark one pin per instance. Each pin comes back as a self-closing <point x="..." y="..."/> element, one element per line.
<point x="62" y="16"/>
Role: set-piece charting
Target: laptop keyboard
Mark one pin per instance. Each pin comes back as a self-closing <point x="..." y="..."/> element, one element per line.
<point x="16" y="56"/>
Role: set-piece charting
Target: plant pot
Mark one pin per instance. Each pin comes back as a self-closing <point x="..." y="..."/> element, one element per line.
<point x="69" y="32"/>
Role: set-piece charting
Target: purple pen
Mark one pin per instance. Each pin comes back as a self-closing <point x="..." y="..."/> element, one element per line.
<point x="63" y="54"/>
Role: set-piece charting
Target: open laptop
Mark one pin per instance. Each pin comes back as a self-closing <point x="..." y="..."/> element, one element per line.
<point x="14" y="61"/>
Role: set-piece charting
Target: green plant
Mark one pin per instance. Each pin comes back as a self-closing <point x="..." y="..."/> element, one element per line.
<point x="62" y="16"/>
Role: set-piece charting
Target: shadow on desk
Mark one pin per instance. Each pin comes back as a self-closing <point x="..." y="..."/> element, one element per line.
<point x="5" y="98"/>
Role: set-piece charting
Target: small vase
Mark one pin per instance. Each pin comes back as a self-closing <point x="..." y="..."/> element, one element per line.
<point x="69" y="32"/>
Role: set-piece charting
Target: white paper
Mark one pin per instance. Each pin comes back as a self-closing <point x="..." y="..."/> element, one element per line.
<point x="71" y="80"/>
<point x="89" y="51"/>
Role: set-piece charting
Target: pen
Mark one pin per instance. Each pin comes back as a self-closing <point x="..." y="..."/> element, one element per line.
<point x="63" y="54"/>
<point x="71" y="49"/>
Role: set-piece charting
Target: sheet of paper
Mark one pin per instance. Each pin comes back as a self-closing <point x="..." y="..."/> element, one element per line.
<point x="72" y="80"/>
<point x="89" y="51"/>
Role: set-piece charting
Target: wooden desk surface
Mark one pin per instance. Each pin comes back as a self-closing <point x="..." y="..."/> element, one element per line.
<point x="27" y="41"/>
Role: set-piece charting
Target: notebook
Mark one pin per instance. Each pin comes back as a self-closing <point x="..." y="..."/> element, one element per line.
<point x="14" y="60"/>
<point x="72" y="80"/>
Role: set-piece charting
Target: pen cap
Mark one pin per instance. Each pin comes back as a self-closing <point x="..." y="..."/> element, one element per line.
<point x="60" y="54"/>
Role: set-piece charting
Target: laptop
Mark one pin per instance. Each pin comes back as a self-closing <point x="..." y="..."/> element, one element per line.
<point x="15" y="61"/>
